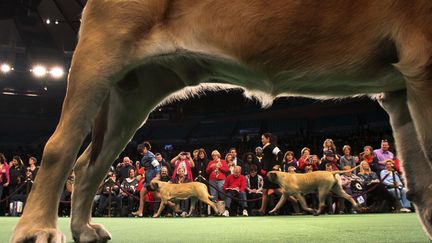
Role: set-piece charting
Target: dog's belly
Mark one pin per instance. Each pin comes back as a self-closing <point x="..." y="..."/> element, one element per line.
<point x="205" y="71"/>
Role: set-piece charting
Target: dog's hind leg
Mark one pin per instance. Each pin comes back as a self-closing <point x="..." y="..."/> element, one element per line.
<point x="303" y="204"/>
<point x="416" y="167"/>
<point x="281" y="202"/>
<point x="212" y="205"/>
<point x="338" y="190"/>
<point x="192" y="206"/>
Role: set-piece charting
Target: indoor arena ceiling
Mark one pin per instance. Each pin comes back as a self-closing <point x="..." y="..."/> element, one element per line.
<point x="37" y="32"/>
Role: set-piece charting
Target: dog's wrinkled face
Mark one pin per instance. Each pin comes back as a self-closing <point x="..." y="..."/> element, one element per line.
<point x="272" y="176"/>
<point x="153" y="186"/>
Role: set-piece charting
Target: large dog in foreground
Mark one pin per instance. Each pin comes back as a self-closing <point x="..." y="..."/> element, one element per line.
<point x="298" y="184"/>
<point x="193" y="190"/>
<point x="132" y="55"/>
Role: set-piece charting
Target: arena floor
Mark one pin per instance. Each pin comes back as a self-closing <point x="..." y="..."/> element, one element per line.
<point x="325" y="228"/>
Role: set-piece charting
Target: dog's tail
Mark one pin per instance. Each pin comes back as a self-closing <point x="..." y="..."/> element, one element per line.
<point x="344" y="171"/>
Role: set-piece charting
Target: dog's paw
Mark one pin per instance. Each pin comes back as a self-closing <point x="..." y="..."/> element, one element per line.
<point x="104" y="234"/>
<point x="91" y="233"/>
<point x="37" y="235"/>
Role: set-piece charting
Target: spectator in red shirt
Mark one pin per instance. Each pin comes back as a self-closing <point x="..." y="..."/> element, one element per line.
<point x="216" y="170"/>
<point x="305" y="159"/>
<point x="183" y="159"/>
<point x="235" y="186"/>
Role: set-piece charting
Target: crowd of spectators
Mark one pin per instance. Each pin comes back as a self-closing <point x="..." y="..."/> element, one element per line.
<point x="234" y="179"/>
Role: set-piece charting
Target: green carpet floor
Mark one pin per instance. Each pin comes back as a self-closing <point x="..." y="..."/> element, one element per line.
<point x="335" y="228"/>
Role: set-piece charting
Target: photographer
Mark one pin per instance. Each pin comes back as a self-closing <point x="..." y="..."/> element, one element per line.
<point x="394" y="185"/>
<point x="183" y="159"/>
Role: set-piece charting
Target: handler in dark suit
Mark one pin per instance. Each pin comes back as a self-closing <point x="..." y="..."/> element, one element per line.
<point x="272" y="157"/>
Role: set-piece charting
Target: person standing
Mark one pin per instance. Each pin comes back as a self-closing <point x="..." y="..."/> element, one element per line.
<point x="272" y="158"/>
<point x="152" y="169"/>
<point x="216" y="170"/>
<point x="4" y="174"/>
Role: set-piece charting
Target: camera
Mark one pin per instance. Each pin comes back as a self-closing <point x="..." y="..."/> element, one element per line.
<point x="183" y="153"/>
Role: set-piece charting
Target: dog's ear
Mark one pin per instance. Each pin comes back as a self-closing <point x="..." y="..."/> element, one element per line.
<point x="155" y="186"/>
<point x="152" y="187"/>
<point x="273" y="176"/>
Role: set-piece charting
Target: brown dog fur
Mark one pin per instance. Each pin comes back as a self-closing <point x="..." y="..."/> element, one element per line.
<point x="133" y="55"/>
<point x="193" y="190"/>
<point x="297" y="184"/>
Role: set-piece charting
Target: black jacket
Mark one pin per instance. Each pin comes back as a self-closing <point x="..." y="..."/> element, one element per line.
<point x="272" y="156"/>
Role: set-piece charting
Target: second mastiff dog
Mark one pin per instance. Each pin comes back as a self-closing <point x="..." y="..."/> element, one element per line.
<point x="324" y="182"/>
<point x="172" y="192"/>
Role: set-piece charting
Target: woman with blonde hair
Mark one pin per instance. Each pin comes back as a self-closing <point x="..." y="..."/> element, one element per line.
<point x="229" y="159"/>
<point x="329" y="145"/>
<point x="216" y="170"/>
<point x="378" y="193"/>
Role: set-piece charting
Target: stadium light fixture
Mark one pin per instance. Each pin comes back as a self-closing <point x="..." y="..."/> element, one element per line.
<point x="39" y="71"/>
<point x="56" y="72"/>
<point x="5" y="68"/>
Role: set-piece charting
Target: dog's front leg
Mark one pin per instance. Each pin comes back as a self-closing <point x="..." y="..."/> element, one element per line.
<point x="303" y="204"/>
<point x="281" y="202"/>
<point x="161" y="208"/>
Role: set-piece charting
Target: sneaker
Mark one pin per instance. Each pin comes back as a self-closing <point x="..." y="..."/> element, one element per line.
<point x="245" y="213"/>
<point x="405" y="210"/>
<point x="226" y="213"/>
<point x="184" y="214"/>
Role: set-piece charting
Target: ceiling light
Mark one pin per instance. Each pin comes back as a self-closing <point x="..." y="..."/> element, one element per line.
<point x="39" y="71"/>
<point x="56" y="72"/>
<point x="5" y="68"/>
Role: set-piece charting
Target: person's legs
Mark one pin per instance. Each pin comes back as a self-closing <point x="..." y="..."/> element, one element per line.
<point x="221" y="189"/>
<point x="213" y="191"/>
<point x="243" y="203"/>
<point x="103" y="203"/>
<point x="404" y="201"/>
<point x="119" y="205"/>
<point x="228" y="200"/>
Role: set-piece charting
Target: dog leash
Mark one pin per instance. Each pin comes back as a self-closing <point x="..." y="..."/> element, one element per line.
<point x="13" y="193"/>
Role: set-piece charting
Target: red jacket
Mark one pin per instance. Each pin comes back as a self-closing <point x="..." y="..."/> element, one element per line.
<point x="235" y="182"/>
<point x="222" y="170"/>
